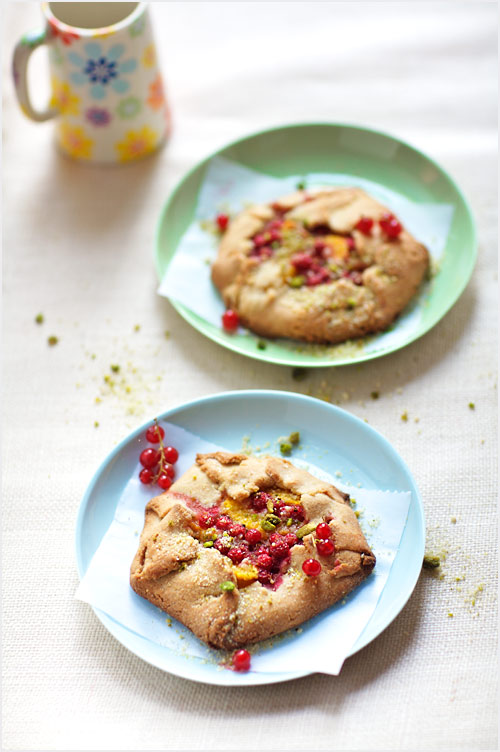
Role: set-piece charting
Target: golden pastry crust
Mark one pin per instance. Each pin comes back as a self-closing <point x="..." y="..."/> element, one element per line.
<point x="367" y="280"/>
<point x="175" y="569"/>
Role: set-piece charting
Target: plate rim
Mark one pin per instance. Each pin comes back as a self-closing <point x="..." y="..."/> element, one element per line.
<point x="235" y="679"/>
<point x="217" y="336"/>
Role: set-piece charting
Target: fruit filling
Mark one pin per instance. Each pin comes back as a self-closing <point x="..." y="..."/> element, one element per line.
<point x="258" y="533"/>
<point x="315" y="255"/>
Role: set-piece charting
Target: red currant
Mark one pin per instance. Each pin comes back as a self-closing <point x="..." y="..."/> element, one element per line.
<point x="237" y="530"/>
<point x="291" y="539"/>
<point x="311" y="567"/>
<point x="264" y="576"/>
<point x="237" y="554"/>
<point x="222" y="221"/>
<point x="224" y="522"/>
<point x="230" y="320"/>
<point x="241" y="660"/>
<point x="253" y="536"/>
<point x="351" y="245"/>
<point x="264" y="561"/>
<point x="323" y="530"/>
<point x="145" y="476"/>
<point x="365" y="225"/>
<point x="302" y="261"/>
<point x="149" y="457"/>
<point x="170" y="454"/>
<point x="164" y="482"/>
<point x="298" y="513"/>
<point x="279" y="548"/>
<point x="390" y="225"/>
<point x="168" y="469"/>
<point x="222" y="545"/>
<point x="154" y="434"/>
<point x="325" y="547"/>
<point x="259" y="501"/>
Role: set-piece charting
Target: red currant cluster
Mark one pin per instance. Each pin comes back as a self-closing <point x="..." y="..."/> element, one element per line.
<point x="157" y="463"/>
<point x="324" y="546"/>
<point x="388" y="224"/>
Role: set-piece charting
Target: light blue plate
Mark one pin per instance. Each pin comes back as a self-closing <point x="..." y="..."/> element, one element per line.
<point x="332" y="439"/>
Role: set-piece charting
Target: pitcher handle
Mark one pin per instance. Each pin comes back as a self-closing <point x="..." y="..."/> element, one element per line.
<point x="22" y="53"/>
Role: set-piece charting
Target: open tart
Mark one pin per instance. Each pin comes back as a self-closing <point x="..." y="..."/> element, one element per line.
<point x="321" y="265"/>
<point x="241" y="548"/>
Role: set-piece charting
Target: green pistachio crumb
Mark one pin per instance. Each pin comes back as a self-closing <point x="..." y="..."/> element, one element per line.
<point x="289" y="522"/>
<point x="285" y="447"/>
<point x="137" y="328"/>
<point x="166" y="334"/>
<point x="351" y="303"/>
<point x="299" y="374"/>
<point x="301" y="185"/>
<point x="450" y="614"/>
<point x="115" y="367"/>
<point x="39" y="318"/>
<point x="453" y="520"/>
<point x="310" y="527"/>
<point x="431" y="562"/>
<point x="270" y="522"/>
<point x="96" y="424"/>
<point x="404" y="416"/>
<point x="270" y="507"/>
<point x="208" y="544"/>
<point x="275" y="244"/>
<point x="52" y="340"/>
<point x="261" y="345"/>
<point x="296" y="281"/>
<point x="294" y="437"/>
<point x="375" y="395"/>
<point x="227" y="586"/>
<point x="472" y="406"/>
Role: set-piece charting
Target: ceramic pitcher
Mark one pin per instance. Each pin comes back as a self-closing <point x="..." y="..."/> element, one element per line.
<point x="107" y="100"/>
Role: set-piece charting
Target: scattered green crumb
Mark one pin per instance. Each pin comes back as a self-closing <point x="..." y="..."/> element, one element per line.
<point x="166" y="334"/>
<point x="39" y="318"/>
<point x="227" y="586"/>
<point x="375" y="395"/>
<point x="358" y="513"/>
<point x="472" y="406"/>
<point x="169" y="622"/>
<point x="261" y="345"/>
<point x="351" y="303"/>
<point x="296" y="281"/>
<point x="404" y="416"/>
<point x="208" y="544"/>
<point x="299" y="374"/>
<point x="450" y="614"/>
<point x="301" y="185"/>
<point x="93" y="356"/>
<point x="52" y="340"/>
<point x="246" y="447"/>
<point x="431" y="562"/>
<point x="96" y="424"/>
<point x="353" y="502"/>
<point x="137" y="328"/>
<point x="285" y="447"/>
<point x="115" y="367"/>
<point x="453" y="520"/>
<point x="294" y="437"/>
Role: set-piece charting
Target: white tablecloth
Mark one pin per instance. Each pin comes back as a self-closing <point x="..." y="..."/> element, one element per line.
<point x="78" y="245"/>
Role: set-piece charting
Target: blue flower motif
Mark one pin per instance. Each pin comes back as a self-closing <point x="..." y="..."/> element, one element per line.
<point x="102" y="69"/>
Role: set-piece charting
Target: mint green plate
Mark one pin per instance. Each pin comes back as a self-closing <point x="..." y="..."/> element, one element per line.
<point x="357" y="153"/>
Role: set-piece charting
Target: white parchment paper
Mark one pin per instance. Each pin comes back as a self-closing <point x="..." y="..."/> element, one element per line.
<point x="321" y="644"/>
<point x="229" y="186"/>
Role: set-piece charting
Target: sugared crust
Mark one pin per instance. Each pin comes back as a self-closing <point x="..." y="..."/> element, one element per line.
<point x="325" y="313"/>
<point x="174" y="571"/>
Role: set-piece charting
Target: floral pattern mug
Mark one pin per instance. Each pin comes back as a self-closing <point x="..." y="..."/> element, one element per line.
<point x="107" y="91"/>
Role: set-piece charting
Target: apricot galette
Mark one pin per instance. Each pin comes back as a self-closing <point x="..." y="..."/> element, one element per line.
<point x="322" y="265"/>
<point x="241" y="548"/>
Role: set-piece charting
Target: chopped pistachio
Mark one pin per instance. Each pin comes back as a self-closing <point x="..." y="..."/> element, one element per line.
<point x="208" y="544"/>
<point x="310" y="527"/>
<point x="404" y="416"/>
<point x="227" y="585"/>
<point x="261" y="345"/>
<point x="296" y="281"/>
<point x="431" y="562"/>
<point x="472" y="406"/>
<point x="375" y="395"/>
<point x="351" y="303"/>
<point x="96" y="424"/>
<point x="270" y="507"/>
<point x="285" y="447"/>
<point x="299" y="374"/>
<point x="453" y="520"/>
<point x="39" y="318"/>
<point x="301" y="185"/>
<point x="52" y="340"/>
<point x="450" y="614"/>
<point x="270" y="522"/>
<point x="294" y="437"/>
<point x="166" y="334"/>
<point x="115" y="367"/>
<point x="137" y="327"/>
<point x="289" y="522"/>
